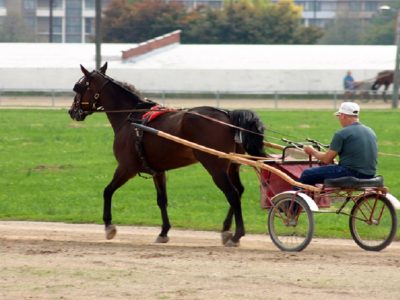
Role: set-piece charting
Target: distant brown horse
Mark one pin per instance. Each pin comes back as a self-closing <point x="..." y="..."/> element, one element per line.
<point x="138" y="152"/>
<point x="384" y="78"/>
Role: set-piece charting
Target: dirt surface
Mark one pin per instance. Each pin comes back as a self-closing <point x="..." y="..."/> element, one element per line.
<point x="63" y="261"/>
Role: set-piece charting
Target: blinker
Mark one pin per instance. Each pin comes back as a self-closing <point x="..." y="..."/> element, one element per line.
<point x="79" y="88"/>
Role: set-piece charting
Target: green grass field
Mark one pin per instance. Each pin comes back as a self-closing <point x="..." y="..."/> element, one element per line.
<point x="55" y="169"/>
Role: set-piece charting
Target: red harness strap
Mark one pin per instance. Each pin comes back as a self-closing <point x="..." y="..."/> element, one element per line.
<point x="155" y="112"/>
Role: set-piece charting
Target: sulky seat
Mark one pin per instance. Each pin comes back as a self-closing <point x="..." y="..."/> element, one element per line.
<point x="349" y="182"/>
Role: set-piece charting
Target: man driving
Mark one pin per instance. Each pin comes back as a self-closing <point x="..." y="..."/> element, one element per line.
<point x="355" y="144"/>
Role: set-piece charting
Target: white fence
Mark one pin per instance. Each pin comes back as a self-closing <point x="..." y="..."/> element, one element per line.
<point x="265" y="100"/>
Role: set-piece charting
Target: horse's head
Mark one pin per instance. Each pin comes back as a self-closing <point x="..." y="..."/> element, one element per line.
<point x="87" y="93"/>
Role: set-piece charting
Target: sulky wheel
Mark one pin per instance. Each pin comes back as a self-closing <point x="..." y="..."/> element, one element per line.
<point x="373" y="222"/>
<point x="290" y="223"/>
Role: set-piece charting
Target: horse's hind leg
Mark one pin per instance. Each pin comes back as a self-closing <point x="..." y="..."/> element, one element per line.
<point x="224" y="183"/>
<point x="235" y="179"/>
<point x="162" y="201"/>
<point x="384" y="93"/>
<point x="120" y="177"/>
<point x="226" y="235"/>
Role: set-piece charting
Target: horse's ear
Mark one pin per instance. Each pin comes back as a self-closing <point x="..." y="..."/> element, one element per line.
<point x="104" y="68"/>
<point x="84" y="71"/>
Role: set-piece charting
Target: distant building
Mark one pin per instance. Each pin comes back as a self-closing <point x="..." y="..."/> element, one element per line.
<point x="72" y="22"/>
<point x="322" y="12"/>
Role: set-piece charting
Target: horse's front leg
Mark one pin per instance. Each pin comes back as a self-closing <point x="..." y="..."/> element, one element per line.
<point x="162" y="202"/>
<point x="120" y="177"/>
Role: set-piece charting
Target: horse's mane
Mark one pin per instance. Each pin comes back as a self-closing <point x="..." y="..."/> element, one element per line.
<point x="131" y="91"/>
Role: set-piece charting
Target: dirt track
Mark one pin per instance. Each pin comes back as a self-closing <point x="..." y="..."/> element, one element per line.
<point x="62" y="261"/>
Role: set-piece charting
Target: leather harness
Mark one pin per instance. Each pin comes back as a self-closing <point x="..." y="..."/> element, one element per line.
<point x="144" y="119"/>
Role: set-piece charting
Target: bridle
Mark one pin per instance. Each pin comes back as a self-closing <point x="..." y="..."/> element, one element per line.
<point x="82" y="87"/>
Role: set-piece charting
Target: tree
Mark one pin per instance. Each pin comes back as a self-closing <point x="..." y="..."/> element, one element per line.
<point x="115" y="24"/>
<point x="262" y="22"/>
<point x="281" y="22"/>
<point x="251" y="22"/>
<point x="381" y="29"/>
<point x="351" y="29"/>
<point x="201" y="26"/>
<point x="343" y="31"/>
<point x="308" y="35"/>
<point x="140" y="21"/>
<point x="382" y="26"/>
<point x="239" y="22"/>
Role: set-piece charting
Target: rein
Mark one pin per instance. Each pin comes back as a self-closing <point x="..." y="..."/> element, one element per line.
<point x="94" y="107"/>
<point x="101" y="110"/>
<point x="224" y="123"/>
<point x="187" y="112"/>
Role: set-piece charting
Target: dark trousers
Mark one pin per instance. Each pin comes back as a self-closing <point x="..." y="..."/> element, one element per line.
<point x="316" y="175"/>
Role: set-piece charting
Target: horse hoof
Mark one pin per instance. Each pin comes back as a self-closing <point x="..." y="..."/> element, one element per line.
<point x="231" y="243"/>
<point x="161" y="239"/>
<point x="111" y="231"/>
<point x="226" y="236"/>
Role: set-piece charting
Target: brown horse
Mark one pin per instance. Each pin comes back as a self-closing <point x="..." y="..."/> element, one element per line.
<point x="137" y="152"/>
<point x="384" y="78"/>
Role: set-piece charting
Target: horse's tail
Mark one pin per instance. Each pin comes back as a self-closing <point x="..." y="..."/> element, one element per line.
<point x="252" y="137"/>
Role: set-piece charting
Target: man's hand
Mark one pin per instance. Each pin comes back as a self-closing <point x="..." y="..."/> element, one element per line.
<point x="325" y="157"/>
<point x="309" y="150"/>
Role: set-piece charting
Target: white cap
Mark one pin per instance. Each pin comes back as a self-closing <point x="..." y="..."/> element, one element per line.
<point x="349" y="108"/>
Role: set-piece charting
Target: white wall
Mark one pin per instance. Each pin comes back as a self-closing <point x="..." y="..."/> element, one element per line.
<point x="191" y="68"/>
<point x="257" y="81"/>
<point x="38" y="79"/>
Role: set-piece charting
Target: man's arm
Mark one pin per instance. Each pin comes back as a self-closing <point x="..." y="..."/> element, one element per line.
<point x="325" y="157"/>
